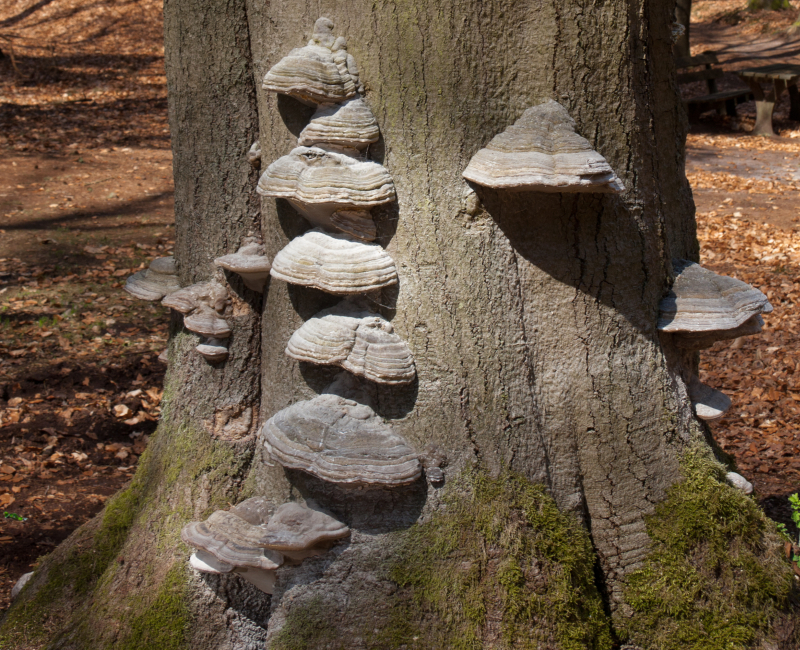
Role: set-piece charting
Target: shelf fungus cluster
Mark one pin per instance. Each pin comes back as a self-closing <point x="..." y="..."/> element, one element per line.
<point x="702" y="308"/>
<point x="541" y="152"/>
<point x="203" y="307"/>
<point x="247" y="541"/>
<point x="328" y="179"/>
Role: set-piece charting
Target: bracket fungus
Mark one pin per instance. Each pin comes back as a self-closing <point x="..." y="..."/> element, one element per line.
<point x="541" y="152"/>
<point x="246" y="541"/>
<point x="350" y="127"/>
<point x="342" y="441"/>
<point x="709" y="404"/>
<point x="318" y="183"/>
<point x="156" y="281"/>
<point x="321" y="72"/>
<point x="357" y="340"/>
<point x="213" y="350"/>
<point x="335" y="263"/>
<point x="202" y="305"/>
<point x="702" y="301"/>
<point x="250" y="263"/>
<point x="701" y="340"/>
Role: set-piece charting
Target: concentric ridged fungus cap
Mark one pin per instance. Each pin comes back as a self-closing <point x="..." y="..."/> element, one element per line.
<point x="541" y="152"/>
<point x="295" y="527"/>
<point x="319" y="182"/>
<point x="231" y="540"/>
<point x="357" y="340"/>
<point x="350" y="125"/>
<point x="312" y="75"/>
<point x="206" y="322"/>
<point x="156" y="281"/>
<point x="334" y="263"/>
<point x="213" y="350"/>
<point x="702" y="301"/>
<point x="339" y="440"/>
<point x="356" y="223"/>
<point x="211" y="294"/>
<point x="250" y="263"/>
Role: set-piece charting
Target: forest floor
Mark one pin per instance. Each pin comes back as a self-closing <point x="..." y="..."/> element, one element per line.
<point x="86" y="199"/>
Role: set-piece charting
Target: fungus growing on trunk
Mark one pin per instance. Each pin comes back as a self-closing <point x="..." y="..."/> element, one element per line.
<point x="156" y="281"/>
<point x="250" y="263"/>
<point x="340" y="440"/>
<point x="335" y="263"/>
<point x="213" y="350"/>
<point x="708" y="403"/>
<point x="541" y="152"/>
<point x="318" y="183"/>
<point x="702" y="301"/>
<point x="350" y="126"/>
<point x="246" y="541"/>
<point x="254" y="155"/>
<point x="319" y="73"/>
<point x="357" y="340"/>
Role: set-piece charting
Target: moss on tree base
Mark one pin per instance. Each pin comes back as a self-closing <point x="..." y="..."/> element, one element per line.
<point x="716" y="578"/>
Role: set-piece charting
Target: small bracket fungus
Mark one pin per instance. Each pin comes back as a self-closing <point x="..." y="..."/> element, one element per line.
<point x="702" y="301"/>
<point x="709" y="404"/>
<point x="213" y="350"/>
<point x="156" y="281"/>
<point x="340" y="440"/>
<point x="254" y="155"/>
<point x="202" y="305"/>
<point x="321" y="72"/>
<point x="739" y="481"/>
<point x="349" y="127"/>
<point x="318" y="183"/>
<point x="246" y="541"/>
<point x="541" y="152"/>
<point x="250" y="263"/>
<point x="334" y="263"/>
<point x="357" y="340"/>
<point x="20" y="584"/>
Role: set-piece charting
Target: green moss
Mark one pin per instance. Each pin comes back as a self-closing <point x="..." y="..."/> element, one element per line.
<point x="715" y="578"/>
<point x="307" y="626"/>
<point x="499" y="565"/>
<point x="165" y="622"/>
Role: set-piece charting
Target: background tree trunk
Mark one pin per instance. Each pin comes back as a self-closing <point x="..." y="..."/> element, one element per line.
<point x="531" y="319"/>
<point x="683" y="16"/>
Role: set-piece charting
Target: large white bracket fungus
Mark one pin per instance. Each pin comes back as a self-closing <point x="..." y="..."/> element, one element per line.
<point x="340" y="440"/>
<point x="541" y="152"/>
<point x="334" y="263"/>
<point x="322" y="72"/>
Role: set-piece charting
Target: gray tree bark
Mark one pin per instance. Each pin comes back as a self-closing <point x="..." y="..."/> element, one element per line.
<point x="531" y="317"/>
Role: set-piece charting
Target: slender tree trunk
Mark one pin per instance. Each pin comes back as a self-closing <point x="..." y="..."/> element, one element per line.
<point x="531" y="316"/>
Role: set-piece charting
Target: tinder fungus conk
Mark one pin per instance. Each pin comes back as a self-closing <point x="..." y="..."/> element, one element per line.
<point x="250" y="263"/>
<point x="340" y="440"/>
<point x="357" y="340"/>
<point x="335" y="263"/>
<point x="156" y="281"/>
<point x="322" y="72"/>
<point x="702" y="301"/>
<point x="350" y="126"/>
<point x="318" y="183"/>
<point x="541" y="152"/>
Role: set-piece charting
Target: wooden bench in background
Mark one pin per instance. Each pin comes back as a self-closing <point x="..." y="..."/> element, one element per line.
<point x="724" y="102"/>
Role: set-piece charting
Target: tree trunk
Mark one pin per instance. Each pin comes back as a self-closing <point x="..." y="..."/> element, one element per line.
<point x="683" y="16"/>
<point x="531" y="318"/>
